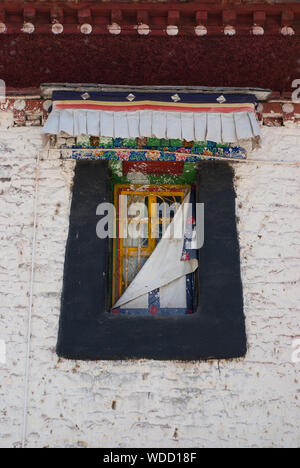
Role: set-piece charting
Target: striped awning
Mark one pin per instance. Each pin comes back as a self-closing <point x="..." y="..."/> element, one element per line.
<point x="220" y="118"/>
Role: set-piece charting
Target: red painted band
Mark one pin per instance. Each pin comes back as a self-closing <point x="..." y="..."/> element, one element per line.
<point x="155" y="107"/>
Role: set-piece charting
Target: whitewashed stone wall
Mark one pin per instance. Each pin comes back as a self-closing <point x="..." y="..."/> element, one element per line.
<point x="251" y="402"/>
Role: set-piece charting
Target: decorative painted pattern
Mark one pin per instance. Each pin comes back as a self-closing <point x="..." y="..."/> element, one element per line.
<point x="154" y="155"/>
<point x="149" y="149"/>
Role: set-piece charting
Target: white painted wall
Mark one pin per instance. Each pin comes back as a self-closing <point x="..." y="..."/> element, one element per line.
<point x="252" y="402"/>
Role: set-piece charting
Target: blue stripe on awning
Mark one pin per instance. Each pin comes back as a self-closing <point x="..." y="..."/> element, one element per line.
<point x="189" y="98"/>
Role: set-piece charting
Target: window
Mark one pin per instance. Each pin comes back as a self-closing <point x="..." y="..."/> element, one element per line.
<point x="144" y="214"/>
<point x="88" y="329"/>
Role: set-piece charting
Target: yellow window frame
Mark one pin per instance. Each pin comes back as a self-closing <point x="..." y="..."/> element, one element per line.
<point x="155" y="194"/>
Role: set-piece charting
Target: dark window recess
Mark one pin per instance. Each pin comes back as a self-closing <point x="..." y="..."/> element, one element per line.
<point x="87" y="329"/>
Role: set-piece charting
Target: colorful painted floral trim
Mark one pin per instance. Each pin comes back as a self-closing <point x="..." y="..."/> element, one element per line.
<point x="150" y="149"/>
<point x="155" y="155"/>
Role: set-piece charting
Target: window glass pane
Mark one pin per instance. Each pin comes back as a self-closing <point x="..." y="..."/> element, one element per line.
<point x="131" y="267"/>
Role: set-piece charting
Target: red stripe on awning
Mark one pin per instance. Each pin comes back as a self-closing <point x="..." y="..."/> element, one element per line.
<point x="137" y="107"/>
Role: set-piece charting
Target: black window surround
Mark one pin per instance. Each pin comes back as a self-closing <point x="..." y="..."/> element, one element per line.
<point x="87" y="329"/>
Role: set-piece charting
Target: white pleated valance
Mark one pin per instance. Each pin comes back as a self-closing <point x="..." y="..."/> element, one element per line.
<point x="187" y="116"/>
<point x="210" y="126"/>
